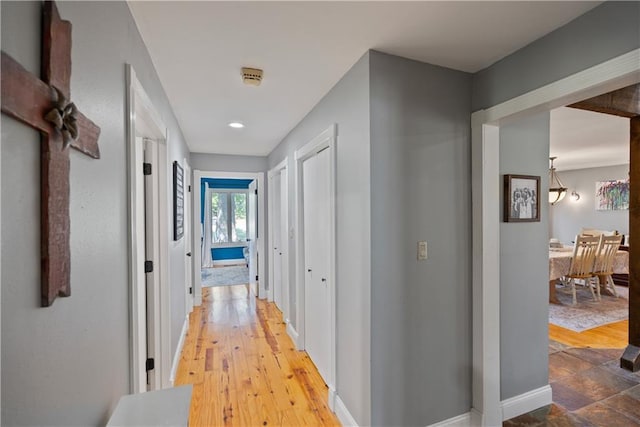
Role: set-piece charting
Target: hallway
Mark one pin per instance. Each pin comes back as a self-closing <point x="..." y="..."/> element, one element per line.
<point x="244" y="367"/>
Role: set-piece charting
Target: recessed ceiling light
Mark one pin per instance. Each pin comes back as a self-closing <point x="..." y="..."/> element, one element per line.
<point x="236" y="125"/>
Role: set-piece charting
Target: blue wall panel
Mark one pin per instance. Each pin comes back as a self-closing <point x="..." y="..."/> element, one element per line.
<point x="227" y="253"/>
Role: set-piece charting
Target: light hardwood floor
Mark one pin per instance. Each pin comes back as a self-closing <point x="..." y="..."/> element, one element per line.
<point x="244" y="368"/>
<point x="614" y="335"/>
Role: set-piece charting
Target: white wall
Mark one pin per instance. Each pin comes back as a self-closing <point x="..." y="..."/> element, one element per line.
<point x="347" y="105"/>
<point x="568" y="217"/>
<point x="68" y="364"/>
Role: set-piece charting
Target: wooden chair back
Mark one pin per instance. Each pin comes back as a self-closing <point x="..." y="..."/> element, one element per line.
<point x="606" y="253"/>
<point x="585" y="250"/>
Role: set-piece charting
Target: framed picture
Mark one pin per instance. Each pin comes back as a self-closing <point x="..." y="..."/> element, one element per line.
<point x="178" y="201"/>
<point x="521" y="198"/>
<point x="612" y="195"/>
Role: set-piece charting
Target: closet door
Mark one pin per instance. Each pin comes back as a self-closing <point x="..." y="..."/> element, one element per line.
<point x="316" y="209"/>
<point x="283" y="247"/>
<point x="277" y="244"/>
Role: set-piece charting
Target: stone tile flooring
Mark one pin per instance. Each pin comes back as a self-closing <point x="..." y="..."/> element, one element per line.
<point x="589" y="390"/>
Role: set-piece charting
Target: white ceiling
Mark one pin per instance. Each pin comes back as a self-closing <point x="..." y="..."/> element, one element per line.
<point x="304" y="48"/>
<point x="584" y="139"/>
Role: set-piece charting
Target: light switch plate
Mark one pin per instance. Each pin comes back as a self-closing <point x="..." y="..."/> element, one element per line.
<point x="422" y="250"/>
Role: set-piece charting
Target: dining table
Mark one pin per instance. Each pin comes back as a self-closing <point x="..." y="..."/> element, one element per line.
<point x="560" y="263"/>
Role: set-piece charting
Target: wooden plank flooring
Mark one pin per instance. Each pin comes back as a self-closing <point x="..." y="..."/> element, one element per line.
<point x="614" y="335"/>
<point x="244" y="367"/>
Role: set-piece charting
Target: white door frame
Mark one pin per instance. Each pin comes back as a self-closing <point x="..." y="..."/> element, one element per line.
<point x="326" y="140"/>
<point x="143" y="120"/>
<point x="285" y="271"/>
<point x="197" y="262"/>
<point x="188" y="239"/>
<point x="622" y="71"/>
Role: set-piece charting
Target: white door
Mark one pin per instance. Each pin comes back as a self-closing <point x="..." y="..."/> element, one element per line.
<point x="277" y="241"/>
<point x="316" y="217"/>
<point x="188" y="246"/>
<point x="284" y="244"/>
<point x="152" y="256"/>
<point x="252" y="235"/>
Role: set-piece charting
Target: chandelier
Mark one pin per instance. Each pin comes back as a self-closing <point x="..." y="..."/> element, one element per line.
<point x="557" y="191"/>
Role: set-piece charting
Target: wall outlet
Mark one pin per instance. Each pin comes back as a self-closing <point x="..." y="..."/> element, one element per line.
<point x="422" y="250"/>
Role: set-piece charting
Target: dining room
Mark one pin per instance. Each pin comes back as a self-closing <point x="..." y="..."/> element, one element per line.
<point x="589" y="198"/>
<point x="589" y="268"/>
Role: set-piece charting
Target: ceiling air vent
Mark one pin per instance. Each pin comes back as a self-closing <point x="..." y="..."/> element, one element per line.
<point x="251" y="76"/>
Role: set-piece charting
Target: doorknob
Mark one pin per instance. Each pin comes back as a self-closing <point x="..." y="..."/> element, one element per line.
<point x="323" y="279"/>
<point x="188" y="253"/>
<point x="308" y="270"/>
<point x="280" y="253"/>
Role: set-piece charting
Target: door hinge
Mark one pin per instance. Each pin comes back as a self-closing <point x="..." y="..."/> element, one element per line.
<point x="256" y="190"/>
<point x="146" y="168"/>
<point x="256" y="277"/>
<point x="190" y="290"/>
<point x="150" y="365"/>
<point x="189" y="189"/>
<point x="148" y="266"/>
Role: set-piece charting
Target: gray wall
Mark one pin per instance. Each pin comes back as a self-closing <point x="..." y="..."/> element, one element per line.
<point x="227" y="163"/>
<point x="568" y="217"/>
<point x="603" y="33"/>
<point x="524" y="264"/>
<point x="420" y="190"/>
<point x="69" y="364"/>
<point x="347" y="105"/>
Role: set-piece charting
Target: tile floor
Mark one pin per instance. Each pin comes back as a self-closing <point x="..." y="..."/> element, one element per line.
<point x="589" y="389"/>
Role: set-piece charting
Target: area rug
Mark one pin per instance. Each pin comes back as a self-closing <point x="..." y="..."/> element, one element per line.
<point x="225" y="276"/>
<point x="587" y="313"/>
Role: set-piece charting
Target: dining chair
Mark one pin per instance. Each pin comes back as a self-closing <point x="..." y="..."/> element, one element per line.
<point x="585" y="250"/>
<point x="603" y="266"/>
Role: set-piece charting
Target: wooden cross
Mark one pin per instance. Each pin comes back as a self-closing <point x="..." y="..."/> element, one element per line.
<point x="42" y="105"/>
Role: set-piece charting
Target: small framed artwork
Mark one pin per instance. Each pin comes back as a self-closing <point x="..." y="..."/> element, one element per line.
<point x="178" y="201"/>
<point x="612" y="195"/>
<point x="521" y="198"/>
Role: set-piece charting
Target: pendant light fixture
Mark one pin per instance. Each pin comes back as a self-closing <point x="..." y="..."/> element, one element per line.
<point x="557" y="191"/>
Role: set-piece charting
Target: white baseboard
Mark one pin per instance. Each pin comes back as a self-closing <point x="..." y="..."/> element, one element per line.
<point x="294" y="335"/>
<point x="476" y="418"/>
<point x="176" y="356"/>
<point x="463" y="420"/>
<point x="343" y="414"/>
<point x="331" y="399"/>
<point x="234" y="261"/>
<point x="526" y="402"/>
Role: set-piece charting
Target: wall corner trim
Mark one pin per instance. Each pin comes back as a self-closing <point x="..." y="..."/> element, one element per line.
<point x="463" y="420"/>
<point x="526" y="402"/>
<point x="176" y="356"/>
<point x="476" y="418"/>
<point x="343" y="414"/>
<point x="294" y="335"/>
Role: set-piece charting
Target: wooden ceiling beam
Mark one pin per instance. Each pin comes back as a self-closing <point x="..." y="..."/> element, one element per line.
<point x="623" y="102"/>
